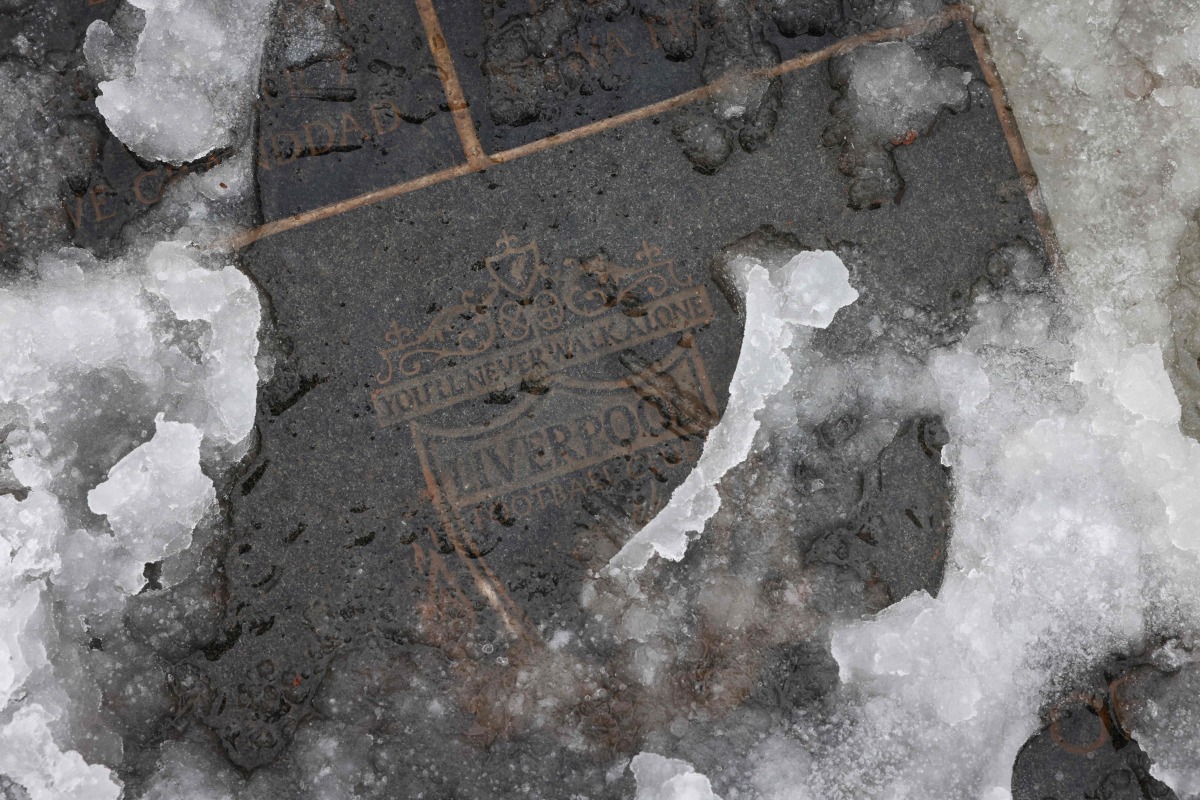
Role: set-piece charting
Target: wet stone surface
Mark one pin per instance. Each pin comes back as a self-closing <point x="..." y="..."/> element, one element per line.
<point x="555" y="65"/>
<point x="1086" y="747"/>
<point x="482" y="389"/>
<point x="348" y="105"/>
<point x="349" y="101"/>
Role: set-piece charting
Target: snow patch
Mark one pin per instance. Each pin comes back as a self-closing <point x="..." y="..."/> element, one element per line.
<point x="30" y="757"/>
<point x="893" y="90"/>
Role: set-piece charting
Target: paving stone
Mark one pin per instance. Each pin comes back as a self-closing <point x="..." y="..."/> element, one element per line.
<point x="473" y="376"/>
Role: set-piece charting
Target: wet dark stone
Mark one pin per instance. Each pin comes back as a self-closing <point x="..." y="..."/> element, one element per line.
<point x="796" y="676"/>
<point x="900" y="528"/>
<point x="706" y="143"/>
<point x="346" y="592"/>
<point x="812" y="17"/>
<point x="1036" y="764"/>
<point x="414" y="493"/>
<point x="551" y="66"/>
<point x="1077" y="758"/>
<point x="350" y="100"/>
<point x="1087" y="748"/>
<point x="174" y="622"/>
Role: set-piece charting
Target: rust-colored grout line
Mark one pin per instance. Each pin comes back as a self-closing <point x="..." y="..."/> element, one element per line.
<point x="460" y="111"/>
<point x="956" y="13"/>
<point x="1016" y="145"/>
<point x="252" y="235"/>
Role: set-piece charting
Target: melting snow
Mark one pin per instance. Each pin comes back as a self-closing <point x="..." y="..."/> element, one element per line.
<point x="194" y="74"/>
<point x="155" y="496"/>
<point x="660" y="778"/>
<point x="127" y="384"/>
<point x="805" y="293"/>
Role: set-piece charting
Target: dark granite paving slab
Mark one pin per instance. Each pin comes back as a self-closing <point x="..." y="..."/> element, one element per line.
<point x="352" y="100"/>
<point x="610" y="57"/>
<point x="479" y="379"/>
<point x="1085" y="749"/>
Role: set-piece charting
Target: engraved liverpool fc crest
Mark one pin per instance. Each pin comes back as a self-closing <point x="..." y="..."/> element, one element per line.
<point x="589" y="365"/>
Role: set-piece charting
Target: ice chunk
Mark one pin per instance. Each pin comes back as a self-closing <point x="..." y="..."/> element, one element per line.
<point x="109" y="45"/>
<point x="1142" y="386"/>
<point x="228" y="303"/>
<point x="815" y="286"/>
<point x="961" y="379"/>
<point x="195" y="68"/>
<point x="26" y="530"/>
<point x="20" y="649"/>
<point x="155" y="496"/>
<point x="781" y="769"/>
<point x="1037" y="487"/>
<point x="660" y="778"/>
<point x="893" y="90"/>
<point x="30" y="757"/>
<point x="100" y="355"/>
<point x="805" y="293"/>
<point x="891" y="95"/>
<point x="98" y="47"/>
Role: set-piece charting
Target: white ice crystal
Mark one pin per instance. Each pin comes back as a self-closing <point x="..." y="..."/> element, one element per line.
<point x="228" y="303"/>
<point x="29" y="756"/>
<point x="154" y="497"/>
<point x="1104" y="93"/>
<point x="127" y="383"/>
<point x="194" y="72"/>
<point x="20" y="649"/>
<point x="98" y="351"/>
<point x="805" y="293"/>
<point x="965" y="673"/>
<point x="893" y="90"/>
<point x="660" y="778"/>
<point x="99" y="361"/>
